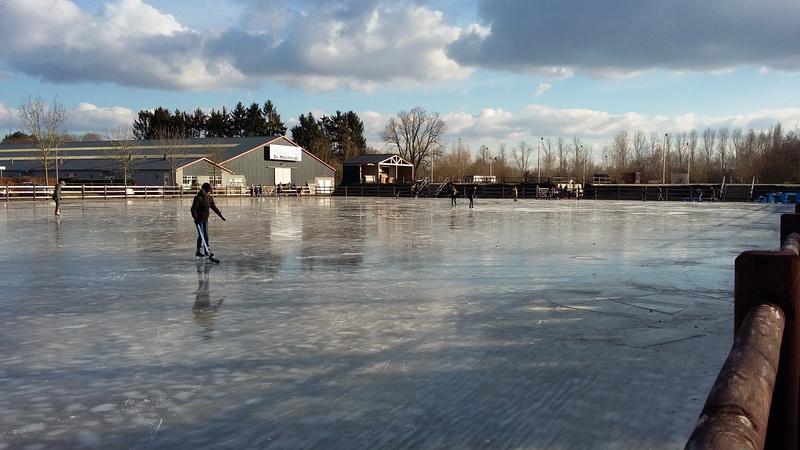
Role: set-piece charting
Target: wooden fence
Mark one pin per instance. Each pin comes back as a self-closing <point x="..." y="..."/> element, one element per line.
<point x="85" y="191"/>
<point x="755" y="401"/>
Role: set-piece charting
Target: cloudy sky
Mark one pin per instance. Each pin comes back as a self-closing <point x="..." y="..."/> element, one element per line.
<point x="496" y="70"/>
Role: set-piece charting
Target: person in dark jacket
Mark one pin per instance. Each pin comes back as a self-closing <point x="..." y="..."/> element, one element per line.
<point x="57" y="196"/>
<point x="472" y="194"/>
<point x="202" y="206"/>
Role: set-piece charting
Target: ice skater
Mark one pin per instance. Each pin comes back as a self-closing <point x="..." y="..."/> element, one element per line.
<point x="201" y="206"/>
<point x="453" y="195"/>
<point x="516" y="192"/>
<point x="472" y="194"/>
<point x="57" y="197"/>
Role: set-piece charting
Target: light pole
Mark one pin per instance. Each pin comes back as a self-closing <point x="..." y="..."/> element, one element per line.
<point x="491" y="163"/>
<point x="538" y="168"/>
<point x="688" y="165"/>
<point x="56" y="151"/>
<point x="583" y="178"/>
<point x="664" y="165"/>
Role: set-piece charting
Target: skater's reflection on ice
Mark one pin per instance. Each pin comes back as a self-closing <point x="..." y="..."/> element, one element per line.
<point x="203" y="310"/>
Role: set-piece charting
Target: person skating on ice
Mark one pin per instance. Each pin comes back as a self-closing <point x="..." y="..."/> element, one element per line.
<point x="472" y="194"/>
<point x="202" y="204"/>
<point x="57" y="196"/>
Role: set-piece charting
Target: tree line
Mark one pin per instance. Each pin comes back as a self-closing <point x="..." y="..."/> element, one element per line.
<point x="766" y="156"/>
<point x="334" y="138"/>
<point x="253" y="120"/>
<point x="739" y="156"/>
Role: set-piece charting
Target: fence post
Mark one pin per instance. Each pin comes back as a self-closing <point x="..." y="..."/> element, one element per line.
<point x="83" y="192"/>
<point x="774" y="277"/>
<point x="105" y="192"/>
<point x="345" y="191"/>
<point x="34" y="192"/>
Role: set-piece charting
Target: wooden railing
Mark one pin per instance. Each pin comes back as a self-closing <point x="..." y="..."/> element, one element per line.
<point x="74" y="191"/>
<point x="755" y="402"/>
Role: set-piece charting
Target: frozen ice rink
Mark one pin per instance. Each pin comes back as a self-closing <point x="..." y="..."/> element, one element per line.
<point x="367" y="323"/>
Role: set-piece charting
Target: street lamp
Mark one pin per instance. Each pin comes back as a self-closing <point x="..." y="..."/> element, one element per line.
<point x="688" y="165"/>
<point x="538" y="168"/>
<point x="491" y="161"/>
<point x="664" y="166"/>
<point x="583" y="178"/>
<point x="56" y="151"/>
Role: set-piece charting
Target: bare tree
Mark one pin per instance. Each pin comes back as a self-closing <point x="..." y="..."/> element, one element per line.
<point x="640" y="153"/>
<point x="562" y="157"/>
<point x="216" y="154"/>
<point x="416" y="135"/>
<point x="173" y="143"/>
<point x="691" y="148"/>
<point x="124" y="152"/>
<point x="709" y="139"/>
<point x="43" y="122"/>
<point x="722" y="149"/>
<point x="619" y="153"/>
<point x="522" y="158"/>
<point x="549" y="158"/>
<point x="454" y="164"/>
<point x="501" y="168"/>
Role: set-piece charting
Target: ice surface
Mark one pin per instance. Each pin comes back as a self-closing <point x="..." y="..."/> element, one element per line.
<point x="367" y="323"/>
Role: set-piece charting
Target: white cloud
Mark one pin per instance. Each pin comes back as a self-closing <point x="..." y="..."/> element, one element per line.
<point x="8" y="117"/>
<point x="493" y="126"/>
<point x="88" y="117"/>
<point x="542" y="88"/>
<point x="84" y="117"/>
<point x="360" y="44"/>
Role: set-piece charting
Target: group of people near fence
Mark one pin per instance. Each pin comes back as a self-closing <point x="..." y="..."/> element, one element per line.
<point x="280" y="190"/>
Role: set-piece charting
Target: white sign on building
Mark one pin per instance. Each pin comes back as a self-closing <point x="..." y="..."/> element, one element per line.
<point x="284" y="152"/>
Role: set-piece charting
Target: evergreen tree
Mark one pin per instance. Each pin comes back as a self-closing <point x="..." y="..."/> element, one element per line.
<point x="238" y="117"/>
<point x="153" y="124"/>
<point x="346" y="133"/>
<point x="254" y="124"/>
<point x="216" y="125"/>
<point x="310" y="134"/>
<point x="198" y="123"/>
<point x="274" y="124"/>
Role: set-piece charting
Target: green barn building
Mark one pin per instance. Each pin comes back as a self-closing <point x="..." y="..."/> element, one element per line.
<point x="262" y="160"/>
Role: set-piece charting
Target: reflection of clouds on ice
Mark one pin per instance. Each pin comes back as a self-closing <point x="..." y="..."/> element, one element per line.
<point x="372" y="321"/>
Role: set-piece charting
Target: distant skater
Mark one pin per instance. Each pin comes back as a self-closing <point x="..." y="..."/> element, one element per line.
<point x="453" y="194"/>
<point x="57" y="197"/>
<point x="516" y="192"/>
<point x="201" y="206"/>
<point x="472" y="195"/>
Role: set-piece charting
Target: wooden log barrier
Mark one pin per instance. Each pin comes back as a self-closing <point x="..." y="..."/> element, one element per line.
<point x="774" y="277"/>
<point x="737" y="410"/>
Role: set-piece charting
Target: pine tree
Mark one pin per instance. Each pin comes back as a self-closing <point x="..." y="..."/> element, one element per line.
<point x="254" y="124"/>
<point x="274" y="124"/>
<point x="310" y="134"/>
<point x="238" y="117"/>
<point x="198" y="123"/>
<point x="346" y="132"/>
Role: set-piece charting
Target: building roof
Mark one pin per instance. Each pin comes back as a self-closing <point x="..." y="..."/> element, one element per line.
<point x="383" y="158"/>
<point x="223" y="149"/>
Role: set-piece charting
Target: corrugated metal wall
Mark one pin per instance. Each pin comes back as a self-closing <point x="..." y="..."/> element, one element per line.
<point x="259" y="171"/>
